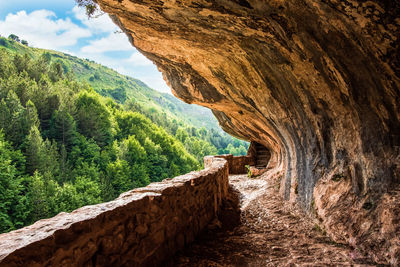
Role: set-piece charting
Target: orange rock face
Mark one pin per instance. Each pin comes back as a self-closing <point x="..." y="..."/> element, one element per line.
<point x="317" y="82"/>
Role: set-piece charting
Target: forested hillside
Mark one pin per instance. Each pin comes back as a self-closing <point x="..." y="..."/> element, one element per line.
<point x="63" y="145"/>
<point x="108" y="82"/>
<point x="163" y="109"/>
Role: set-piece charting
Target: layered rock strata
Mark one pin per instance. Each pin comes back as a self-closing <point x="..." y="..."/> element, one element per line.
<point x="316" y="82"/>
<point x="141" y="227"/>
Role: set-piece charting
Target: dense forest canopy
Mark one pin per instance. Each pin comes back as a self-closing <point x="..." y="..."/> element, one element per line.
<point x="63" y="145"/>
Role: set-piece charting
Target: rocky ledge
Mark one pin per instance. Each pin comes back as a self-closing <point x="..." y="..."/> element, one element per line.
<point x="317" y="82"/>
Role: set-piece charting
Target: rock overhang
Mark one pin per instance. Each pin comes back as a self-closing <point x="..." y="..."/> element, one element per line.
<point x="317" y="82"/>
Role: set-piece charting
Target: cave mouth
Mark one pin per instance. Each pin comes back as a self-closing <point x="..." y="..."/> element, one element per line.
<point x="316" y="82"/>
<point x="260" y="153"/>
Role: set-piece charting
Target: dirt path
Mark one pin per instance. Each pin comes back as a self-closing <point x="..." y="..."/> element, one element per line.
<point x="271" y="233"/>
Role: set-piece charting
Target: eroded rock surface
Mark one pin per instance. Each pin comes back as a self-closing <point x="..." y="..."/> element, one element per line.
<point x="317" y="82"/>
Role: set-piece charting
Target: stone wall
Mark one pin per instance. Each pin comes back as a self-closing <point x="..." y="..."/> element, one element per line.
<point x="141" y="227"/>
<point x="237" y="164"/>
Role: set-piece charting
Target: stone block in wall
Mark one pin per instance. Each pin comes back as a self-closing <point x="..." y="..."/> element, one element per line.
<point x="237" y="164"/>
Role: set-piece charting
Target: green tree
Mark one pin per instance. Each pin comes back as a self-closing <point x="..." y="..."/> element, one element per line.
<point x="94" y="119"/>
<point x="10" y="186"/>
<point x="139" y="175"/>
<point x="6" y="66"/>
<point x="21" y="62"/>
<point x="181" y="134"/>
<point x="157" y="163"/>
<point x="41" y="155"/>
<point x="135" y="155"/>
<point x="51" y="159"/>
<point x="56" y="72"/>
<point x="39" y="67"/>
<point x="84" y="151"/>
<point x="35" y="151"/>
<point x="68" y="198"/>
<point x="242" y="151"/>
<point x="231" y="149"/>
<point x="46" y="100"/>
<point x="199" y="148"/>
<point x="64" y="166"/>
<point x="132" y="151"/>
<point x="118" y="175"/>
<point x="63" y="129"/>
<point x="13" y="37"/>
<point x="31" y="117"/>
<point x="88" y="190"/>
<point x="39" y="205"/>
<point x="12" y="115"/>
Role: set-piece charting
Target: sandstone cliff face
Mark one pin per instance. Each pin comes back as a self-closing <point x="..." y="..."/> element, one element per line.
<point x="317" y="82"/>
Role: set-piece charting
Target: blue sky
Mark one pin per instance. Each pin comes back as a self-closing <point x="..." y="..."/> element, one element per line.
<point x="62" y="25"/>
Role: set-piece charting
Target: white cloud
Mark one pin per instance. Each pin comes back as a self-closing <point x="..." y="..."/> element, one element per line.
<point x="100" y="22"/>
<point x="113" y="42"/>
<point x="155" y="81"/>
<point x="41" y="28"/>
<point x="137" y="59"/>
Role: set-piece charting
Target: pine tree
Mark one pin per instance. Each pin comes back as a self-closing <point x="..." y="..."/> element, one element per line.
<point x="32" y="118"/>
<point x="12" y="118"/>
<point x="63" y="129"/>
<point x="10" y="187"/>
<point x="35" y="151"/>
<point x="56" y="72"/>
<point x="6" y="65"/>
<point x="50" y="159"/>
<point x="21" y="63"/>
<point x="64" y="168"/>
<point x="39" y="206"/>
<point x="39" y="67"/>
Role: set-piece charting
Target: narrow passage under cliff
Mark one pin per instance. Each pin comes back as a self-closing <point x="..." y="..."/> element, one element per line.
<point x="271" y="233"/>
